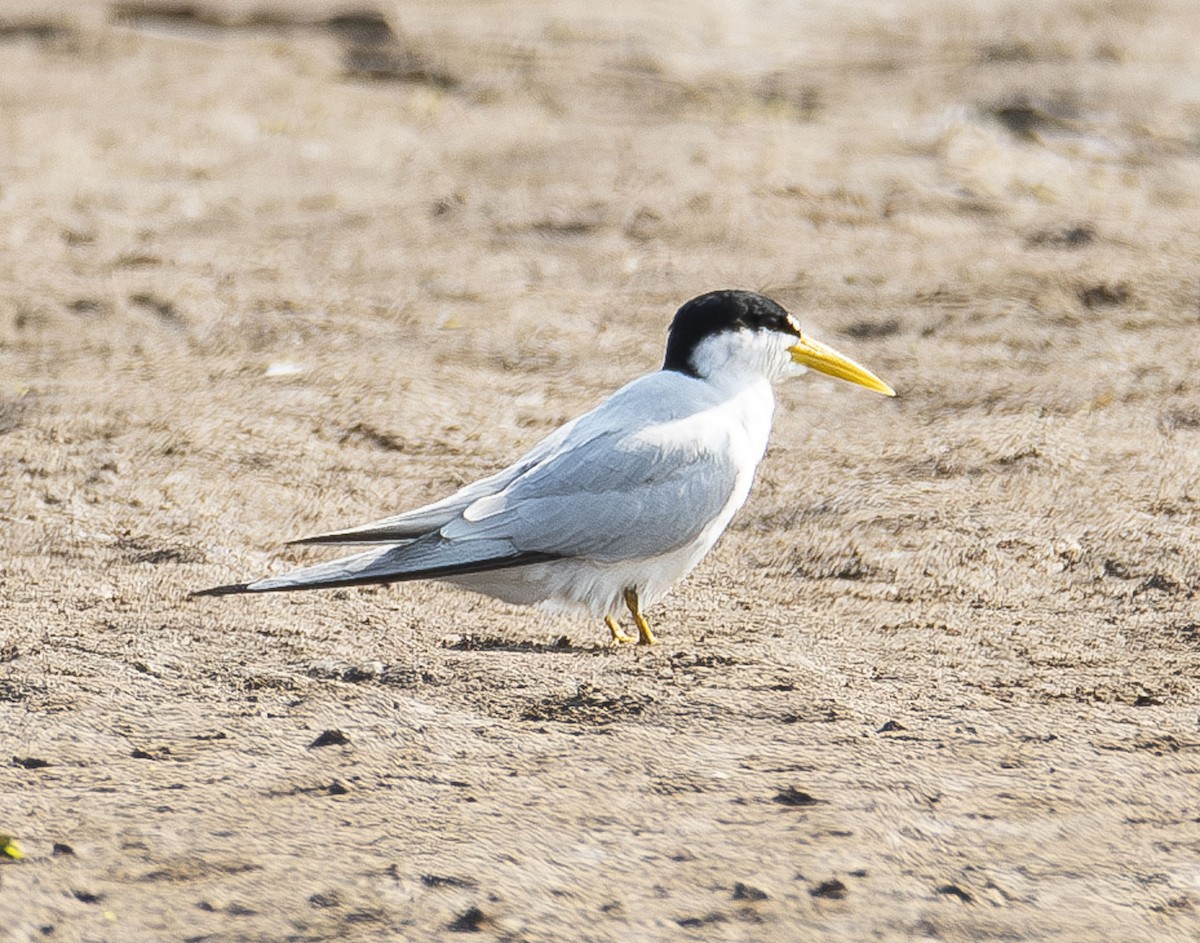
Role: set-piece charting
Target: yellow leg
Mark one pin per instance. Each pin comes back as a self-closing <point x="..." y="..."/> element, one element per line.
<point x="645" y="636"/>
<point x="617" y="634"/>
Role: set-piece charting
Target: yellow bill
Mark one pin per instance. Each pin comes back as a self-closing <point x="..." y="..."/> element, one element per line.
<point x="9" y="847"/>
<point x="826" y="360"/>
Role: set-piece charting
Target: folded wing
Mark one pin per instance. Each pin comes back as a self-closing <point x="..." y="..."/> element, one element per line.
<point x="610" y="498"/>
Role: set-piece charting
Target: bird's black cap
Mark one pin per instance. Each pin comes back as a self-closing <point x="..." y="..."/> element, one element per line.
<point x="717" y="312"/>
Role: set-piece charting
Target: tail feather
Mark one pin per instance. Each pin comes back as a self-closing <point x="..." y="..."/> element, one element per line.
<point x="431" y="557"/>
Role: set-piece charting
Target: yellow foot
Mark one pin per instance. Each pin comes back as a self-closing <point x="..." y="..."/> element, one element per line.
<point x="645" y="636"/>
<point x="617" y="634"/>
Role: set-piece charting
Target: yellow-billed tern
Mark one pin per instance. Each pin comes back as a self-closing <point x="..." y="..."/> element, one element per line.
<point x="612" y="509"/>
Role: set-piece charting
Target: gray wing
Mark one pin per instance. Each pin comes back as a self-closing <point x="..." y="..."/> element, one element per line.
<point x="655" y="398"/>
<point x="613" y="497"/>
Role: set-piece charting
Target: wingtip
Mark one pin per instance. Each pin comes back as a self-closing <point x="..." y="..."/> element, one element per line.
<point x="354" y="536"/>
<point x="229" y="589"/>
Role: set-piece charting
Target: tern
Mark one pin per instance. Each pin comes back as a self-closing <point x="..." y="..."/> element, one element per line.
<point x="612" y="509"/>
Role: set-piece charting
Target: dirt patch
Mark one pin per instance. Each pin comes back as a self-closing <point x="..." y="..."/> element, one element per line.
<point x="272" y="269"/>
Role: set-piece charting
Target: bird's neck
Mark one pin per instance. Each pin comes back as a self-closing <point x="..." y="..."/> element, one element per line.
<point x="740" y="383"/>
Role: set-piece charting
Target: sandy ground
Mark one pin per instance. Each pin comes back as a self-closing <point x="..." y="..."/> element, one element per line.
<point x="266" y="271"/>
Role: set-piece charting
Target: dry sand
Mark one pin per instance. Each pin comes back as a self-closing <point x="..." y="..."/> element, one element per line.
<point x="265" y="271"/>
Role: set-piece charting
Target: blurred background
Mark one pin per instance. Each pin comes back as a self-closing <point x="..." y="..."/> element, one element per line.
<point x="271" y="268"/>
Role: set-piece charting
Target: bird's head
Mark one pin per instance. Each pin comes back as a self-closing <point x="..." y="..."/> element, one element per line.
<point x="744" y="332"/>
